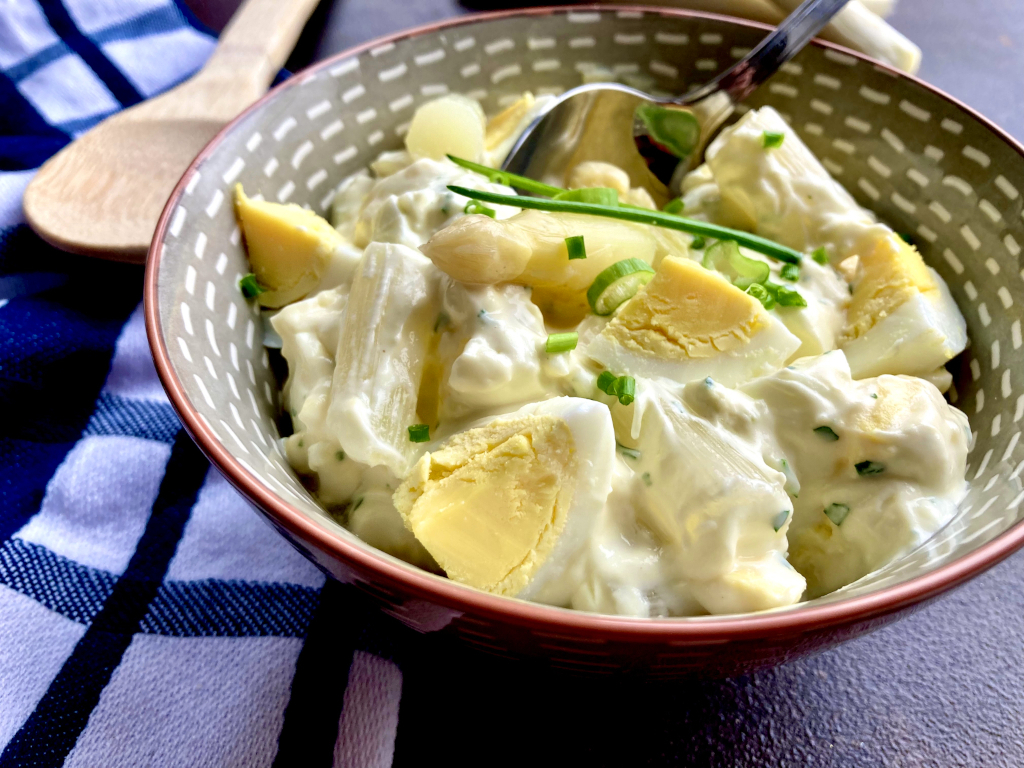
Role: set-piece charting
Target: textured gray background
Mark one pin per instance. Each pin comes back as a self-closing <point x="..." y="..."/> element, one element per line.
<point x="943" y="688"/>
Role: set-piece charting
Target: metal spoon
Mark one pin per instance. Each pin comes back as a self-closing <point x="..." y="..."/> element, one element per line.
<point x="655" y="140"/>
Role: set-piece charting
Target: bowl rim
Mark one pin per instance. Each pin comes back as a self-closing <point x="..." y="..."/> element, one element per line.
<point x="467" y="600"/>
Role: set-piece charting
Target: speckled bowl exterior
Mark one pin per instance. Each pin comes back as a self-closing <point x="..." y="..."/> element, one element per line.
<point x="925" y="163"/>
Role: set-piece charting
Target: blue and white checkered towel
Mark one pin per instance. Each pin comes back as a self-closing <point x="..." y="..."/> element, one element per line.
<point x="147" y="615"/>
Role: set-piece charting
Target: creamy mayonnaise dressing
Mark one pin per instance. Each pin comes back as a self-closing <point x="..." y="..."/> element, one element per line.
<point x="696" y="497"/>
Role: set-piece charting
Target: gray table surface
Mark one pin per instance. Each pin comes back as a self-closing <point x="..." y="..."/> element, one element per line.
<point x="943" y="688"/>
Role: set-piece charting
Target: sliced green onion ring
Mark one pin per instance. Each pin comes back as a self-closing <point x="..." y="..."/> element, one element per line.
<point x="605" y="382"/>
<point x="618" y="283"/>
<point x="250" y="286"/>
<point x="625" y="389"/>
<point x="742" y="271"/>
<point x="475" y="206"/>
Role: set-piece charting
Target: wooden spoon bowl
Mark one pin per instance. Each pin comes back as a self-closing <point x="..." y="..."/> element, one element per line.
<point x="102" y="194"/>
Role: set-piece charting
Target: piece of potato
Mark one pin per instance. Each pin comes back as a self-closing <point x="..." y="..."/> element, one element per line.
<point x="449" y="125"/>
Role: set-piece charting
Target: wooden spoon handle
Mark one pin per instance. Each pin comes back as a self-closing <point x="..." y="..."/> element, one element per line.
<point x="258" y="39"/>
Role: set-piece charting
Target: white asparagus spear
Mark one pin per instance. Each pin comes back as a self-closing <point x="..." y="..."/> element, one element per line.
<point x="883" y="8"/>
<point x="858" y="28"/>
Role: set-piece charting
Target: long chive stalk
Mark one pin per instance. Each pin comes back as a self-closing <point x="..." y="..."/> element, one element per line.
<point x="498" y="176"/>
<point x="640" y="216"/>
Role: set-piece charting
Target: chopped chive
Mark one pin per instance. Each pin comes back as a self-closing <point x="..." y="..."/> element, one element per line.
<point x="629" y="453"/>
<point x="907" y="238"/>
<point x="646" y="477"/>
<point x="508" y="179"/>
<point x="595" y="195"/>
<point x="561" y="342"/>
<point x="250" y="287"/>
<point x="780" y="520"/>
<point x="826" y="433"/>
<point x="820" y="255"/>
<point x="786" y="297"/>
<point x="698" y="243"/>
<point x="675" y="206"/>
<point x="790" y="272"/>
<point x="837" y="513"/>
<point x="606" y="381"/>
<point x="442" y="321"/>
<point x="874" y="395"/>
<point x="475" y="206"/>
<point x="792" y="484"/>
<point x="419" y="433"/>
<point x="339" y="455"/>
<point x="868" y="468"/>
<point x="772" y="139"/>
<point x="575" y="247"/>
<point x="762" y="294"/>
<point x="640" y="215"/>
<point x="625" y="389"/>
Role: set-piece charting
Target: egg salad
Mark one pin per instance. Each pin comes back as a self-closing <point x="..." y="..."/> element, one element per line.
<point x="569" y="396"/>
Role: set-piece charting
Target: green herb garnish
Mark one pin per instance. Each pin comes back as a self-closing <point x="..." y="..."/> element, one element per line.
<point x="790" y="272"/>
<point x="868" y="468"/>
<point x="698" y="243"/>
<point x="780" y="520"/>
<point x="820" y="255"/>
<point x="907" y="238"/>
<point x="640" y="216"/>
<point x="250" y="287"/>
<point x="675" y="207"/>
<point x="763" y="295"/>
<point x="646" y="477"/>
<point x="742" y="271"/>
<point x="605" y="382"/>
<point x="419" y="433"/>
<point x="575" y="247"/>
<point x="618" y="283"/>
<point x="826" y="433"/>
<point x="475" y="206"/>
<point x="772" y="139"/>
<point x="508" y="179"/>
<point x="561" y="342"/>
<point x="595" y="195"/>
<point x="837" y="513"/>
<point x="339" y="455"/>
<point x="629" y="453"/>
<point x="625" y="389"/>
<point x="622" y="387"/>
<point x="786" y="297"/>
<point x="675" y="129"/>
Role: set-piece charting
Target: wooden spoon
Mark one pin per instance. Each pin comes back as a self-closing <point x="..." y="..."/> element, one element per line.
<point x="102" y="194"/>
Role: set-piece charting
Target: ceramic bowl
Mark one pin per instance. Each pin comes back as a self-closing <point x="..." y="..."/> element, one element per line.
<point x="925" y="163"/>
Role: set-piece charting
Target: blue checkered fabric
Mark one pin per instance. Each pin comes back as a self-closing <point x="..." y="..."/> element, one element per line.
<point x="147" y="615"/>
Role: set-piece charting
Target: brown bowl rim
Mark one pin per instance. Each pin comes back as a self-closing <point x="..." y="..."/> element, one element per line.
<point x="466" y="600"/>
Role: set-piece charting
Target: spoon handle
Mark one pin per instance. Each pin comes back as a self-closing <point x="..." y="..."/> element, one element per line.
<point x="771" y="53"/>
<point x="259" y="38"/>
